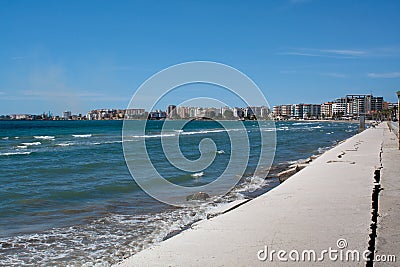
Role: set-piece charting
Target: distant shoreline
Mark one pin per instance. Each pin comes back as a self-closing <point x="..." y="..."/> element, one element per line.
<point x="305" y="121"/>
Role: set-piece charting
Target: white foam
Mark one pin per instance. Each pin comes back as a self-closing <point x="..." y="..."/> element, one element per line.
<point x="82" y="135"/>
<point x="22" y="147"/>
<point x="220" y="152"/>
<point x="153" y="135"/>
<point x="5" y="138"/>
<point x="197" y="174"/>
<point x="272" y="129"/>
<point x="283" y="128"/>
<point x="323" y="149"/>
<point x="32" y="144"/>
<point x="181" y="132"/>
<point x="112" y="142"/>
<point x="304" y="123"/>
<point x="251" y="184"/>
<point x="204" y="132"/>
<point x="106" y="239"/>
<point x="65" y="144"/>
<point x="44" y="137"/>
<point x="15" y="153"/>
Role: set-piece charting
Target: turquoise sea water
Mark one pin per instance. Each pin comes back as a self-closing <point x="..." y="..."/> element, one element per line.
<point x="67" y="197"/>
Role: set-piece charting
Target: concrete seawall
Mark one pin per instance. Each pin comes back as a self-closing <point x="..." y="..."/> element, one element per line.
<point x="329" y="200"/>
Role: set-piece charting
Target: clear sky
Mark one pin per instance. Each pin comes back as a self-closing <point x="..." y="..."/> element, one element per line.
<point x="82" y="55"/>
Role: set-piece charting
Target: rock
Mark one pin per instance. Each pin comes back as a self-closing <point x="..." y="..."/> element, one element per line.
<point x="5" y="245"/>
<point x="286" y="174"/>
<point x="198" y="196"/>
<point x="283" y="176"/>
<point x="300" y="166"/>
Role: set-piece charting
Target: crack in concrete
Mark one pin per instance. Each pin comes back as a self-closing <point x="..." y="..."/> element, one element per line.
<point x="375" y="212"/>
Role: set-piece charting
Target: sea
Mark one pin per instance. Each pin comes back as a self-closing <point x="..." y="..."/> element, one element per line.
<point x="67" y="197"/>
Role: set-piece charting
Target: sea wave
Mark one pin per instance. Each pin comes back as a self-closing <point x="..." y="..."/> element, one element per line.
<point x="206" y="131"/>
<point x="251" y="184"/>
<point x="32" y="144"/>
<point x="105" y="240"/>
<point x="112" y="142"/>
<point x="113" y="236"/>
<point x="304" y="123"/>
<point x="45" y="137"/>
<point x="153" y="135"/>
<point x="323" y="149"/>
<point x="5" y="138"/>
<point x="197" y="174"/>
<point x="82" y="135"/>
<point x="283" y="128"/>
<point x="181" y="132"/>
<point x="15" y="153"/>
<point x="65" y="144"/>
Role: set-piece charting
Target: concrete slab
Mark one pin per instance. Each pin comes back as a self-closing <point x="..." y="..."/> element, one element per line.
<point x="388" y="231"/>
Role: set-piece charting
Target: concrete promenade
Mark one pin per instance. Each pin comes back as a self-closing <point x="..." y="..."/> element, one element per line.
<point x="329" y="200"/>
<point x="388" y="231"/>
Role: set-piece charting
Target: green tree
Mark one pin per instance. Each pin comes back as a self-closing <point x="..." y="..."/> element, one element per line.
<point x="228" y="114"/>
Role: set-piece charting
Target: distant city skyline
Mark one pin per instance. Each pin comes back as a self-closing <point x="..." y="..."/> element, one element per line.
<point x="82" y="55"/>
<point x="349" y="105"/>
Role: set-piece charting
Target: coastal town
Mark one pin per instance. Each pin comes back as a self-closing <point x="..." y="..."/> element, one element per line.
<point x="344" y="108"/>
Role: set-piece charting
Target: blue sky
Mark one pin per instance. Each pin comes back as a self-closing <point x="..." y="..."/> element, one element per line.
<point x="82" y="55"/>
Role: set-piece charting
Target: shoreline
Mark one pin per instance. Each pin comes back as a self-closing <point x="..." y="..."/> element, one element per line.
<point x="275" y="172"/>
<point x="144" y="255"/>
<point x="197" y="119"/>
<point x="285" y="169"/>
<point x="248" y="189"/>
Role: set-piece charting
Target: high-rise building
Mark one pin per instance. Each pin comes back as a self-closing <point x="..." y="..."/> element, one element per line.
<point x="363" y="104"/>
<point x="238" y="112"/>
<point x="67" y="115"/>
<point x="183" y="112"/>
<point x="171" y="111"/>
<point x="306" y="111"/>
<point x="287" y="110"/>
<point x="277" y="110"/>
<point x="338" y="108"/>
<point x="134" y="113"/>
<point x="297" y="111"/>
<point x="326" y="110"/>
<point x="376" y="103"/>
<point x="265" y="112"/>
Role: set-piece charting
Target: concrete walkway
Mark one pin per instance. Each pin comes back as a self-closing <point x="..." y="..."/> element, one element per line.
<point x="388" y="232"/>
<point x="327" y="201"/>
<point x="394" y="127"/>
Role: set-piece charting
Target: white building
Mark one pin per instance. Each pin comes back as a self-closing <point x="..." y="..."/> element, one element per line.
<point x="67" y="115"/>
